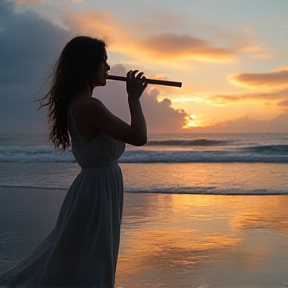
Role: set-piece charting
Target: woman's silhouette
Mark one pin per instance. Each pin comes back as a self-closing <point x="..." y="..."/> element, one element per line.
<point x="82" y="249"/>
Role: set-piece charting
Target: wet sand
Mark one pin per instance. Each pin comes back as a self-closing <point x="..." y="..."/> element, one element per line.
<point x="169" y="240"/>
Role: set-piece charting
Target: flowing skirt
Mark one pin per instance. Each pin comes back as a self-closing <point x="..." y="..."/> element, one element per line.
<point x="82" y="249"/>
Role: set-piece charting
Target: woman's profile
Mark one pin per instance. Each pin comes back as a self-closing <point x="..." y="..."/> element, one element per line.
<point x="82" y="249"/>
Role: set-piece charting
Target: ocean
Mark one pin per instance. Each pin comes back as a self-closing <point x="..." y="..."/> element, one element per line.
<point x="225" y="164"/>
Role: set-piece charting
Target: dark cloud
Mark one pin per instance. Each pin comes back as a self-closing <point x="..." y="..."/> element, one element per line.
<point x="28" y="43"/>
<point x="29" y="47"/>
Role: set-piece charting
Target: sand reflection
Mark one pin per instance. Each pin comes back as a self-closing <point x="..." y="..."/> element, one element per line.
<point x="263" y="212"/>
<point x="184" y="239"/>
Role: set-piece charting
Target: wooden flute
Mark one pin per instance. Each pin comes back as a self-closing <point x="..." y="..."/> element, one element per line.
<point x="149" y="81"/>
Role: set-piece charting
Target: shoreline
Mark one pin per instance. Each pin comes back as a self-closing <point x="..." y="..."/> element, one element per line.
<point x="264" y="193"/>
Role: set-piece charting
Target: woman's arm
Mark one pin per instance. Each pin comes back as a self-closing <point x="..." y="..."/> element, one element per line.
<point x="93" y="112"/>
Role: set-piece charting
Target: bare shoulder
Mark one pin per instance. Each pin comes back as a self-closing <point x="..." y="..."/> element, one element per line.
<point x="93" y="112"/>
<point x="89" y="106"/>
<point x="90" y="103"/>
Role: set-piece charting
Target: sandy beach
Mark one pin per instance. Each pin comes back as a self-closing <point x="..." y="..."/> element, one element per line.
<point x="169" y="240"/>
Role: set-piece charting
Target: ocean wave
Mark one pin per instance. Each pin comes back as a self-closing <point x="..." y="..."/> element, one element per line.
<point x="153" y="157"/>
<point x="257" y="154"/>
<point x="199" y="157"/>
<point x="283" y="149"/>
<point x="32" y="154"/>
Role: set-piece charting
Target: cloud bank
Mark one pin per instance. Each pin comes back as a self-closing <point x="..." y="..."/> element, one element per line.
<point x="26" y="54"/>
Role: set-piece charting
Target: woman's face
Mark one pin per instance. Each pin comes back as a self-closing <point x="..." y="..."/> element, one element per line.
<point x="102" y="71"/>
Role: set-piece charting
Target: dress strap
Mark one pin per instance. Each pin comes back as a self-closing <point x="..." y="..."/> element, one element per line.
<point x="74" y="131"/>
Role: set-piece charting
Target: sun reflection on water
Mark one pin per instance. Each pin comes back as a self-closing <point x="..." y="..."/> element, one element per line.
<point x="182" y="239"/>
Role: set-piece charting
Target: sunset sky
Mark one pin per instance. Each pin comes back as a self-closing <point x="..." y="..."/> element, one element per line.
<point x="231" y="56"/>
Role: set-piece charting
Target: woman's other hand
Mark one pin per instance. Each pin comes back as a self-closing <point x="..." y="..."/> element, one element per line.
<point x="135" y="85"/>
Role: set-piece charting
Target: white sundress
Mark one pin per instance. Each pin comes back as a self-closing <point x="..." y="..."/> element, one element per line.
<point x="82" y="249"/>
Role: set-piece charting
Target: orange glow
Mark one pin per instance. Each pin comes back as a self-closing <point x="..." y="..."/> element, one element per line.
<point x="263" y="215"/>
<point x="193" y="121"/>
<point x="156" y="49"/>
<point x="188" y="231"/>
<point x="275" y="80"/>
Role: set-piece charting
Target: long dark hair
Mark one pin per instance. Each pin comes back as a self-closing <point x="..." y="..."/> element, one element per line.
<point x="76" y="68"/>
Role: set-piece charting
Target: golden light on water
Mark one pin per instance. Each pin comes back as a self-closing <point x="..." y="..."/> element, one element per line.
<point x="186" y="232"/>
<point x="263" y="215"/>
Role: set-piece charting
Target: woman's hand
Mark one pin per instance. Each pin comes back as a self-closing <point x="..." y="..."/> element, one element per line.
<point x="135" y="85"/>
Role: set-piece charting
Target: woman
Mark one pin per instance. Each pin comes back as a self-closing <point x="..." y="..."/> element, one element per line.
<point x="82" y="249"/>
